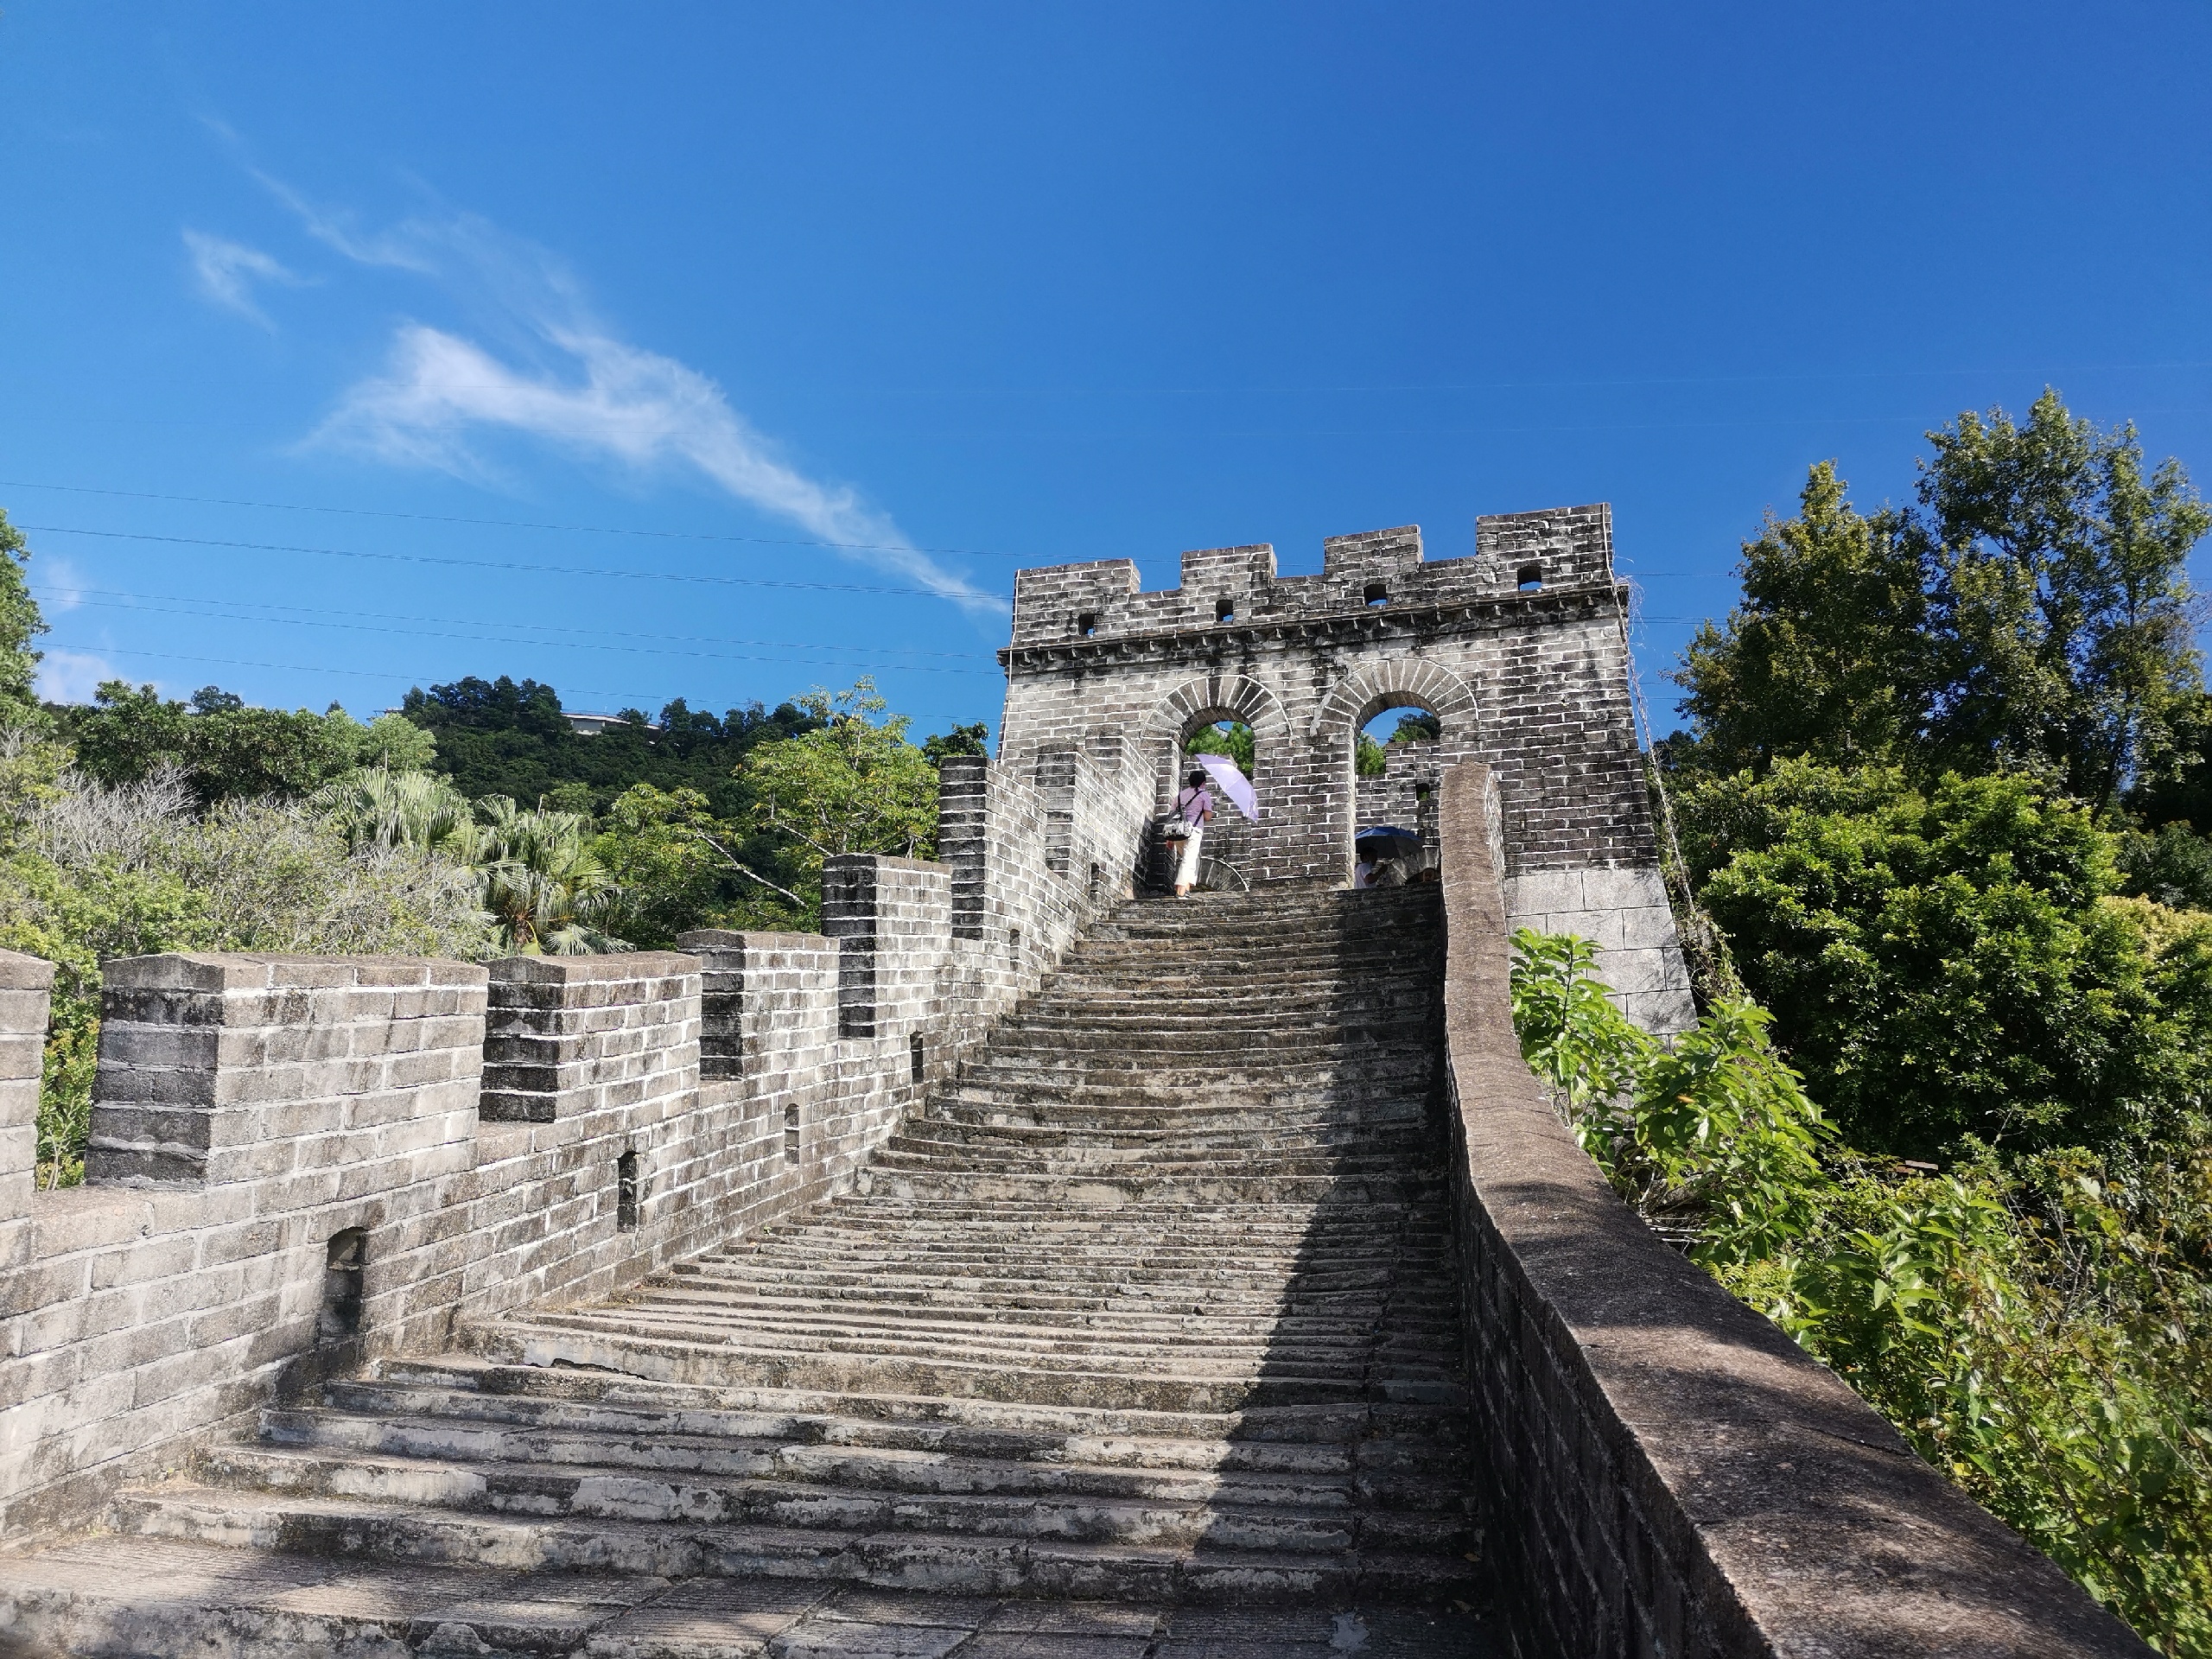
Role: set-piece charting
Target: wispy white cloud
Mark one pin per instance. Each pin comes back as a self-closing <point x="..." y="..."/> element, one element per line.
<point x="635" y="407"/>
<point x="589" y="393"/>
<point x="73" y="675"/>
<point x="60" y="585"/>
<point x="338" y="229"/>
<point x="226" y="271"/>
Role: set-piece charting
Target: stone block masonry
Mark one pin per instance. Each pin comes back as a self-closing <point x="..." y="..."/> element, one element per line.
<point x="1519" y="651"/>
<point x="1662" y="1471"/>
<point x="298" y="1163"/>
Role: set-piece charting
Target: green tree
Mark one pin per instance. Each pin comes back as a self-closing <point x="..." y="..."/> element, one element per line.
<point x="2061" y="598"/>
<point x="853" y="783"/>
<point x="2040" y="1328"/>
<point x="1950" y="963"/>
<point x="227" y="750"/>
<point x="664" y="851"/>
<point x="1232" y="737"/>
<point x="1827" y="656"/>
<point x="545" y="886"/>
<point x="1711" y="1139"/>
<point x="961" y="740"/>
<point x="375" y="806"/>
<point x="19" y="624"/>
<point x="2031" y="610"/>
<point x="504" y="737"/>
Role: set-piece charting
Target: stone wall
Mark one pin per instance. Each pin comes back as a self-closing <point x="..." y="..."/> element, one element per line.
<point x="1519" y="649"/>
<point x="298" y="1162"/>
<point x="1664" y="1470"/>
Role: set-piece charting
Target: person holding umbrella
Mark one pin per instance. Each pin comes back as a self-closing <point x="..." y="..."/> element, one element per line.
<point x="1381" y="852"/>
<point x="1193" y="811"/>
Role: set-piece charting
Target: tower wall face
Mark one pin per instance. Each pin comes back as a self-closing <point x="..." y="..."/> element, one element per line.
<point x="1519" y="649"/>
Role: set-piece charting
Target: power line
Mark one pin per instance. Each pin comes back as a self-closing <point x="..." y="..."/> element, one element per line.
<point x="511" y="524"/>
<point x="496" y="564"/>
<point x="493" y="639"/>
<point x="70" y="591"/>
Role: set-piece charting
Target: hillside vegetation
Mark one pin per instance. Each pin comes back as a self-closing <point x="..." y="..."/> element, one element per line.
<point x="1945" y="1119"/>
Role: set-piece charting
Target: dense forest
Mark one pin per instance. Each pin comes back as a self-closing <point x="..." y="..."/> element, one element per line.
<point x="1937" y="820"/>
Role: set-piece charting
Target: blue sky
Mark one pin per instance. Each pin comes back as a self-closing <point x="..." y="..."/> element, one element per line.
<point x="348" y="349"/>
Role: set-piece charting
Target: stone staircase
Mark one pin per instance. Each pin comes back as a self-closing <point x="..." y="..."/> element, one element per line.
<point x="1141" y="1340"/>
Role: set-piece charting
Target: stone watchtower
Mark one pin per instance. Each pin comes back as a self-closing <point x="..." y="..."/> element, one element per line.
<point x="1520" y="651"/>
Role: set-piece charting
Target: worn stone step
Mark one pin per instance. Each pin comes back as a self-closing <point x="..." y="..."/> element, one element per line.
<point x="951" y="1564"/>
<point x="550" y="1339"/>
<point x="427" y="1423"/>
<point x="1003" y="1358"/>
<point x="483" y="1383"/>
<point x="874" y="1492"/>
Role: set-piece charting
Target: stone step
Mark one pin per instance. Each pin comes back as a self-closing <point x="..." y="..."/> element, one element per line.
<point x="609" y="1343"/>
<point x="492" y="1388"/>
<point x="942" y="1563"/>
<point x="1113" y="1191"/>
<point x="440" y="1423"/>
<point x="843" y="1491"/>
<point x="156" y="1599"/>
<point x="1012" y="1356"/>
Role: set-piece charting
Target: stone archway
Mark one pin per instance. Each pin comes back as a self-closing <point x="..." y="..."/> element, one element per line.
<point x="1371" y="690"/>
<point x="1217" y="696"/>
<point x="1248" y="849"/>
<point x="1368" y="691"/>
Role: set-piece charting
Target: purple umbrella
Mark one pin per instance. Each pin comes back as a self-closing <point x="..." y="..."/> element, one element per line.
<point x="1233" y="783"/>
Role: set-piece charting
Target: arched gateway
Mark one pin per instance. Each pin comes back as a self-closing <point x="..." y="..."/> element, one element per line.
<point x="1517" y="651"/>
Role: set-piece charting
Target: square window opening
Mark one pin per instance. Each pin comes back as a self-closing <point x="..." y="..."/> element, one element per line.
<point x="339" y="1318"/>
<point x="625" y="1193"/>
<point x="1378" y="592"/>
<point x="1224" y="610"/>
<point x="1530" y="578"/>
<point x="1087" y="624"/>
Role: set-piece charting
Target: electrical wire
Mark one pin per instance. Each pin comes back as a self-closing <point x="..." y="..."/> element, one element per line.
<point x="494" y="640"/>
<point x="74" y="593"/>
<point x="511" y="565"/>
<point x="513" y="524"/>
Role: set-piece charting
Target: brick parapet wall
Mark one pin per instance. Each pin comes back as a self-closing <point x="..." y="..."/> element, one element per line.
<point x="252" y="1108"/>
<point x="1664" y="1470"/>
<point x="26" y="989"/>
<point x="475" y="1125"/>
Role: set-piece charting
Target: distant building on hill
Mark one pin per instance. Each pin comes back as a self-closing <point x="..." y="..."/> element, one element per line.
<point x="592" y="724"/>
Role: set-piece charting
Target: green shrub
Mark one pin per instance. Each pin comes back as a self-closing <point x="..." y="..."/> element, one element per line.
<point x="2037" y="1326"/>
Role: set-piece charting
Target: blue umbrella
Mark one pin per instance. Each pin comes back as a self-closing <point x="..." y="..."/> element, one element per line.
<point x="1386" y="841"/>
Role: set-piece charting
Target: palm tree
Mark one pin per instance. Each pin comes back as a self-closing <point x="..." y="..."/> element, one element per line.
<point x="546" y="890"/>
<point x="376" y="807"/>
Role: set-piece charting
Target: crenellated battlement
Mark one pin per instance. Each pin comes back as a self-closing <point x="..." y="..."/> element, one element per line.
<point x="1517" y="557"/>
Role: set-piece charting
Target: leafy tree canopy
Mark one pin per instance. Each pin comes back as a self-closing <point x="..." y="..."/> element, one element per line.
<point x="227" y="750"/>
<point x="961" y="740"/>
<point x="853" y="783"/>
<point x="2031" y="609"/>
<point x="1951" y="963"/>
<point x="508" y="737"/>
<point x="1231" y="737"/>
<point x="19" y="624"/>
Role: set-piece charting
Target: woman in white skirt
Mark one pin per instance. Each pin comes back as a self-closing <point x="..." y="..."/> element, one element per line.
<point x="1195" y="807"/>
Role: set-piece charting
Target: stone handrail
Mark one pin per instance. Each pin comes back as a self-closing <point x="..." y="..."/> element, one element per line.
<point x="1666" y="1472"/>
